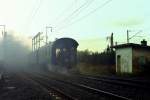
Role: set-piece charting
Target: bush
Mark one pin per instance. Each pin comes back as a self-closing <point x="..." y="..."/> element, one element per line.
<point x="95" y="58"/>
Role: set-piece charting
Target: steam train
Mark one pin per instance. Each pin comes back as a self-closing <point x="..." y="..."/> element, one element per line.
<point x="62" y="53"/>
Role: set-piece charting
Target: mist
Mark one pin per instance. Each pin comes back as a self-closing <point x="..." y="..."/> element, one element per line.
<point x="14" y="51"/>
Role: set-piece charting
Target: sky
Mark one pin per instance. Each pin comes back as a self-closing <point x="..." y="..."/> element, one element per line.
<point x="90" y="22"/>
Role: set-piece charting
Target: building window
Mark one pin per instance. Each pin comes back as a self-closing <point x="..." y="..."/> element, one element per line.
<point x="118" y="63"/>
<point x="142" y="61"/>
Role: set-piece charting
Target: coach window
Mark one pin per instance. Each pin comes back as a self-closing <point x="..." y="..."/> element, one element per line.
<point x="57" y="52"/>
<point x="72" y="48"/>
<point x="64" y="49"/>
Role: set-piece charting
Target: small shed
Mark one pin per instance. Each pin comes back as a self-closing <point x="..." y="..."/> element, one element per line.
<point x="132" y="58"/>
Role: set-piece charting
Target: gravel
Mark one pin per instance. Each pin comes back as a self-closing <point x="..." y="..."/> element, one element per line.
<point x="19" y="88"/>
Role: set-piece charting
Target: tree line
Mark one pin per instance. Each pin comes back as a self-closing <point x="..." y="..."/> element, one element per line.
<point x="106" y="57"/>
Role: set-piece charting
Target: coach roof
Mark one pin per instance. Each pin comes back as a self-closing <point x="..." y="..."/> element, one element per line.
<point x="65" y="42"/>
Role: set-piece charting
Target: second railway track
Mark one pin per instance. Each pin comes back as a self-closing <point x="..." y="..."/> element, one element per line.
<point x="70" y="90"/>
<point x="125" y="89"/>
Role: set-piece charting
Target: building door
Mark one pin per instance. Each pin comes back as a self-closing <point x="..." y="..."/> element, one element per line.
<point x="118" y="63"/>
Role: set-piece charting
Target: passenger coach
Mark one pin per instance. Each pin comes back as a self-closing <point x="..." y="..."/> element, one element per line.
<point x="62" y="52"/>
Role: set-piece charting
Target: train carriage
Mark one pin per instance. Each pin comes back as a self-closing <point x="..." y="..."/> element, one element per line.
<point x="62" y="52"/>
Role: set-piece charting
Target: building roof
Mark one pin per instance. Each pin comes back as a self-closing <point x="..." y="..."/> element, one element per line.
<point x="131" y="45"/>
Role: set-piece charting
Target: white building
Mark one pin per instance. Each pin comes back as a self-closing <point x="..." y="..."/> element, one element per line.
<point x="132" y="58"/>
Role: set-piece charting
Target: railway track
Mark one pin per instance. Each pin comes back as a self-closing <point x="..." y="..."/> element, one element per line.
<point x="70" y="90"/>
<point x="127" y="89"/>
<point x="145" y="82"/>
<point x="142" y="84"/>
<point x="134" y="89"/>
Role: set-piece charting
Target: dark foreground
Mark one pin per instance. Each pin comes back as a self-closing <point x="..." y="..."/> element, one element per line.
<point x="15" y="87"/>
<point x="43" y="85"/>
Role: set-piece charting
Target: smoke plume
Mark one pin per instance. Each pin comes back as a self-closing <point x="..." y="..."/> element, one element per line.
<point x="14" y="51"/>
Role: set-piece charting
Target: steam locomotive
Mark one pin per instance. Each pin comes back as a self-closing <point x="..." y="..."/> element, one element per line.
<point x="62" y="53"/>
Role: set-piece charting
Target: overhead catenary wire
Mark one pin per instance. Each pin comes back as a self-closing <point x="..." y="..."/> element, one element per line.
<point x="37" y="9"/>
<point x="87" y="15"/>
<point x="135" y="34"/>
<point x="33" y="13"/>
<point x="75" y="12"/>
<point x="63" y="12"/>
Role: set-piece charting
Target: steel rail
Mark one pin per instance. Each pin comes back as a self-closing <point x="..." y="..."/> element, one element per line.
<point x="88" y="88"/>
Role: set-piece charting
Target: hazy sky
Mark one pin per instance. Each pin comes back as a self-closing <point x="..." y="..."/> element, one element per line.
<point x="87" y="21"/>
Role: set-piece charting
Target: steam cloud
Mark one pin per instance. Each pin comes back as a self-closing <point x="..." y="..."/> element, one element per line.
<point x="14" y="51"/>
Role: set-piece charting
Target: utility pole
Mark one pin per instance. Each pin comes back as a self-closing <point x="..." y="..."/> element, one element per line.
<point x="112" y="40"/>
<point x="4" y="51"/>
<point x="3" y="32"/>
<point x="36" y="41"/>
<point x="127" y="36"/>
<point x="47" y="27"/>
<point x="32" y="45"/>
<point x="36" y="44"/>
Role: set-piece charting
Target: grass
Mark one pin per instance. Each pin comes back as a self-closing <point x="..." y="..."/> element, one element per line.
<point x="89" y="69"/>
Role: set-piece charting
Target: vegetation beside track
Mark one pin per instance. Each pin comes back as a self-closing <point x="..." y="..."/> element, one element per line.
<point x="90" y="69"/>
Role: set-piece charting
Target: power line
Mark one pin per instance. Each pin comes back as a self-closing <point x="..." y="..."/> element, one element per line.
<point x="64" y="11"/>
<point x="78" y="10"/>
<point x="37" y="9"/>
<point x="33" y="14"/>
<point x="135" y="34"/>
<point x="87" y="15"/>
